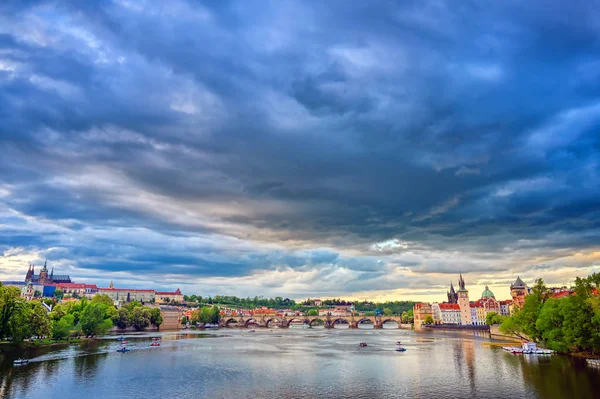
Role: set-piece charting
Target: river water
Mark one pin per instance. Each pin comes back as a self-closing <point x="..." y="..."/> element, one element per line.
<point x="311" y="363"/>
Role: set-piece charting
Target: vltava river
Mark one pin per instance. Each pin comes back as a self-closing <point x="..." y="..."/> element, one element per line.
<point x="315" y="363"/>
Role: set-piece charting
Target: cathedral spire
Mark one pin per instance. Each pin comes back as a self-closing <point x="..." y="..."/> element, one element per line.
<point x="461" y="282"/>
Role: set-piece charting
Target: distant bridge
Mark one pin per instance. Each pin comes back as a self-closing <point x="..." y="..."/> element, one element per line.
<point x="328" y="321"/>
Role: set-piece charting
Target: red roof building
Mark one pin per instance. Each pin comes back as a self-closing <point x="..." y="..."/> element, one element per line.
<point x="87" y="290"/>
<point x="169" y="297"/>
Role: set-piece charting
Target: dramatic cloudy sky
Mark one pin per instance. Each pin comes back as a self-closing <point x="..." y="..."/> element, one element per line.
<point x="309" y="148"/>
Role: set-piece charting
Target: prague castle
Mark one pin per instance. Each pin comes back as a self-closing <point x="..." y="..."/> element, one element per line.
<point x="44" y="278"/>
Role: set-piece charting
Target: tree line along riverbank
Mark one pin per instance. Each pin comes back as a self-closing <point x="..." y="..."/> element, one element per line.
<point x="569" y="325"/>
<point x="28" y="323"/>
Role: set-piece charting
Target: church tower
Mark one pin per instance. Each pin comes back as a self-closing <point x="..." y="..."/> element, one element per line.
<point x="452" y="295"/>
<point x="29" y="275"/>
<point x="43" y="279"/>
<point x="463" y="303"/>
<point x="518" y="291"/>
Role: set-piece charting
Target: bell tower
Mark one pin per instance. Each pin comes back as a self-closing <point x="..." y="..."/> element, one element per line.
<point x="463" y="303"/>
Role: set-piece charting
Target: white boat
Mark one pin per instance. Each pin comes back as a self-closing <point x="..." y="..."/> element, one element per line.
<point x="528" y="348"/>
<point x="20" y="362"/>
<point x="209" y="325"/>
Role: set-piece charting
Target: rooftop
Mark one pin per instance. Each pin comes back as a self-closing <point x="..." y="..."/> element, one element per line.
<point x="75" y="285"/>
<point x="124" y="290"/>
<point x="518" y="283"/>
<point x="487" y="293"/>
<point x="449" y="306"/>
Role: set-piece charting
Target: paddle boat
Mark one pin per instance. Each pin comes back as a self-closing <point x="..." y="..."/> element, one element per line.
<point x="400" y="349"/>
<point x="123" y="350"/>
<point x="121" y="338"/>
<point x="155" y="341"/>
<point x="362" y="345"/>
<point x="20" y="362"/>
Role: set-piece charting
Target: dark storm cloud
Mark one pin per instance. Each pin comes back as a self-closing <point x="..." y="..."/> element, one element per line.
<point x="307" y="132"/>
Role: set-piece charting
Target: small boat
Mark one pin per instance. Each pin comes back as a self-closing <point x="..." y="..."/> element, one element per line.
<point x="155" y="341"/>
<point x="398" y="343"/>
<point x="400" y="349"/>
<point x="209" y="325"/>
<point x="20" y="362"/>
<point x="593" y="362"/>
<point x="362" y="344"/>
<point x="121" y="338"/>
<point x="252" y="330"/>
<point x="123" y="350"/>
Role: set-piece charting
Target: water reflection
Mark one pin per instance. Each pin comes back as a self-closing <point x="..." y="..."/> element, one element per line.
<point x="319" y="363"/>
<point x="557" y="377"/>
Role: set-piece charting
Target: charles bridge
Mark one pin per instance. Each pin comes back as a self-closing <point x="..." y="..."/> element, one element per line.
<point x="328" y="321"/>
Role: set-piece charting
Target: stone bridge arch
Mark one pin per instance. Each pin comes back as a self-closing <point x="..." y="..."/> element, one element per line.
<point x="249" y="320"/>
<point x="340" y="320"/>
<point x="224" y="322"/>
<point x="268" y="320"/>
<point x="314" y="319"/>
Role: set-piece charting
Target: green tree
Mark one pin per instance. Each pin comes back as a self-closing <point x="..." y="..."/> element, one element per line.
<point x="313" y="312"/>
<point x="209" y="315"/>
<point x="215" y="315"/>
<point x="140" y="317"/>
<point x="428" y="320"/>
<point x="404" y="317"/>
<point x="523" y="322"/>
<point x="122" y="319"/>
<point x="14" y="317"/>
<point x="388" y="311"/>
<point x="57" y="312"/>
<point x="131" y="305"/>
<point x="93" y="320"/>
<point x="156" y="317"/>
<point x="62" y="328"/>
<point x="103" y="298"/>
<point x="184" y="320"/>
<point x="550" y="323"/>
<point x="40" y="324"/>
<point x="493" y="318"/>
<point x="59" y="294"/>
<point x="19" y="323"/>
<point x="37" y="294"/>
